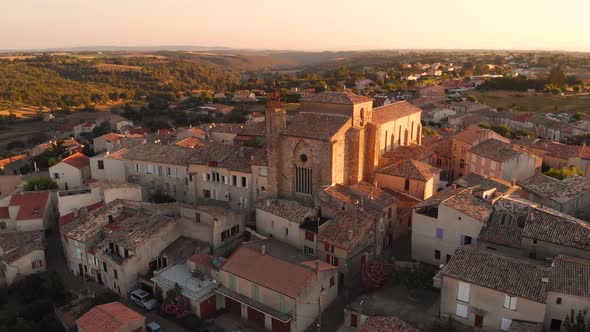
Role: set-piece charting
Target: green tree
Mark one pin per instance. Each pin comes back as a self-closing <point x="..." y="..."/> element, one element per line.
<point x="562" y="173"/>
<point x="556" y="77"/>
<point x="427" y="131"/>
<point x="502" y="130"/>
<point x="40" y="183"/>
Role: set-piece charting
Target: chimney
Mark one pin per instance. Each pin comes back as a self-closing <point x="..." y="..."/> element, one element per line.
<point x="263" y="249"/>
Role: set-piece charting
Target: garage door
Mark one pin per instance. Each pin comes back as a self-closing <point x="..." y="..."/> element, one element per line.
<point x="278" y="326"/>
<point x="233" y="306"/>
<point x="255" y="316"/>
<point x="208" y="307"/>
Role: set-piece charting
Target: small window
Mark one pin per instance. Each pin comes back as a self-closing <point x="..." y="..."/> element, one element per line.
<point x="332" y="281"/>
<point x="407" y="185"/>
<point x="467" y="240"/>
<point x="285" y="231"/>
<point x="555" y="325"/>
<point x="558" y="300"/>
<point x="197" y="217"/>
<point x="101" y="164"/>
<point x="303" y="158"/>
<point x="234" y="180"/>
<point x="207" y="193"/>
<point x="308" y="250"/>
<point x="437" y="254"/>
<point x="439" y="233"/>
<point x="510" y="302"/>
<point x="115" y="274"/>
<point x="244" y="182"/>
<point x="56" y="176"/>
<point x="461" y="310"/>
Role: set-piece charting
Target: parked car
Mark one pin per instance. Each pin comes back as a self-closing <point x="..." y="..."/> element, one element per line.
<point x="143" y="299"/>
<point x="154" y="327"/>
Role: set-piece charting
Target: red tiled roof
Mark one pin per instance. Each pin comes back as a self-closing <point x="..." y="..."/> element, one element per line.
<point x="267" y="271"/>
<point x="77" y="160"/>
<point x="411" y="169"/>
<point x="110" y="317"/>
<point x="112" y="137"/>
<point x="71" y="216"/>
<point x="334" y="97"/>
<point x="10" y="160"/>
<point x="393" y="112"/>
<point x="190" y="142"/>
<point x="32" y="204"/>
<point x="67" y="127"/>
<point x="386" y="324"/>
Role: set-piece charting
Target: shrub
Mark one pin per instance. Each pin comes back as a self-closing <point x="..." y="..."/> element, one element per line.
<point x="40" y="183"/>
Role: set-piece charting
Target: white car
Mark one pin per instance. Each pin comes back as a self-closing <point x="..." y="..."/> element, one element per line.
<point x="143" y="299"/>
<point x="154" y="327"/>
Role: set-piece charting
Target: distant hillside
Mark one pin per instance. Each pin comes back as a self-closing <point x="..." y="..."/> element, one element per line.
<point x="70" y="81"/>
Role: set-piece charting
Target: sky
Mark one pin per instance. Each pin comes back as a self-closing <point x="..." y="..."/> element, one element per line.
<point x="298" y="25"/>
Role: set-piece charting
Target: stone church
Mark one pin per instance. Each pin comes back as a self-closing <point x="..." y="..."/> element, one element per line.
<point x="336" y="138"/>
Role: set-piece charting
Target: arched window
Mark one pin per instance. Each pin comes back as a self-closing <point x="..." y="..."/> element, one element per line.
<point x="362" y="117"/>
<point x="386" y="140"/>
<point x="412" y="131"/>
<point x="407" y="185"/>
<point x="392" y="142"/>
<point x="399" y="136"/>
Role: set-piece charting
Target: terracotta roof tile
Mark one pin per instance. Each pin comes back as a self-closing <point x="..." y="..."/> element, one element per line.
<point x="386" y="324"/>
<point x="393" y="112"/>
<point x="346" y="228"/>
<point x="287" y="278"/>
<point x="290" y="210"/>
<point x="315" y="125"/>
<point x="190" y="142"/>
<point x="407" y="152"/>
<point x="508" y="274"/>
<point x="334" y="97"/>
<point x="159" y="153"/>
<point x="16" y="245"/>
<point x="32" y="204"/>
<point x="10" y="160"/>
<point x="495" y="150"/>
<point x="110" y="317"/>
<point x="560" y="191"/>
<point x="570" y="275"/>
<point x="77" y="160"/>
<point x="411" y="169"/>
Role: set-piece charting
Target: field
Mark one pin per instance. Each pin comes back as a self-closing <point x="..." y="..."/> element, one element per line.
<point x="534" y="102"/>
<point x="107" y="67"/>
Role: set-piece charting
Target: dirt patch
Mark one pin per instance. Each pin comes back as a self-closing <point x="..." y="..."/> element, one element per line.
<point x="534" y="102"/>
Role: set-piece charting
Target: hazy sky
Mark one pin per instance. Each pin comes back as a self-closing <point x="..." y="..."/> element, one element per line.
<point x="300" y="24"/>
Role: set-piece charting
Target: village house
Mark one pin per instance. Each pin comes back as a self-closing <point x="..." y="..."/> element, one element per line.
<point x="441" y="146"/>
<point x="9" y="184"/>
<point x="557" y="155"/>
<point x="21" y="254"/>
<point x="464" y="107"/>
<point x="499" y="159"/>
<point x="366" y="314"/>
<point x="13" y="165"/>
<point x="284" y="300"/>
<point x="72" y="172"/>
<point x="116" y="242"/>
<point x="195" y="132"/>
<point x="284" y="220"/>
<point x="159" y="169"/>
<point x="83" y="128"/>
<point x="445" y="221"/>
<point x="219" y="226"/>
<point x="194" y="278"/>
<point x="461" y="145"/>
<point x="223" y="132"/>
<point x="242" y="96"/>
<point x="568" y="290"/>
<point x="216" y="110"/>
<point x="570" y="195"/>
<point x="411" y="177"/>
<point x="492" y="291"/>
<point x="109" y="166"/>
<point x="25" y="212"/>
<point x="72" y="146"/>
<point x="111" y="317"/>
<point x="419" y="153"/>
<point x="118" y="123"/>
<point x="522" y="228"/>
<point x="231" y="173"/>
<point x="106" y="142"/>
<point x="69" y="201"/>
<point x="501" y="186"/>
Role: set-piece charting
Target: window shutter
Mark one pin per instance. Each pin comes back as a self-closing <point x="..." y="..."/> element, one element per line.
<point x="463" y="292"/>
<point x="513" y="303"/>
<point x="506" y="301"/>
<point x="33" y="265"/>
<point x="204" y="176"/>
<point x="326" y="247"/>
<point x="335" y="261"/>
<point x="327" y="258"/>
